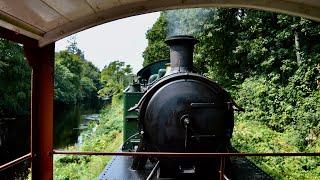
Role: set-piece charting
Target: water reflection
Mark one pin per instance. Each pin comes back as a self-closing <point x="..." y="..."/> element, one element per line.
<point x="69" y="121"/>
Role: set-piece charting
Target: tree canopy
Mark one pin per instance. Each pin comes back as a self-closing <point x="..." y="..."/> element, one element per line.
<point x="156" y="48"/>
<point x="15" y="76"/>
<point x="76" y="79"/>
<point x="114" y="78"/>
<point x="235" y="44"/>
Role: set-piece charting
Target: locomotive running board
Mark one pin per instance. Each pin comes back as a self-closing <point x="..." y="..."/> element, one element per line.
<point x="119" y="168"/>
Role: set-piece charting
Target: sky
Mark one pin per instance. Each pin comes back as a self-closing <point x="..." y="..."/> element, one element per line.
<point x="122" y="40"/>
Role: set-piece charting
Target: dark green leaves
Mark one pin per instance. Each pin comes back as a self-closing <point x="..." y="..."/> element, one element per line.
<point x="115" y="77"/>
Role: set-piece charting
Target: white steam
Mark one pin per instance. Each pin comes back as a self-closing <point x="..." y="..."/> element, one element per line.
<point x="187" y="21"/>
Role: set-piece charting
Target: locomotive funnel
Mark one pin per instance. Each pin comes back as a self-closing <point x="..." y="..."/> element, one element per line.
<point x="181" y="53"/>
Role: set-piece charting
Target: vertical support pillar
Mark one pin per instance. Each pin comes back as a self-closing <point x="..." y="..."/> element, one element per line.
<point x="41" y="61"/>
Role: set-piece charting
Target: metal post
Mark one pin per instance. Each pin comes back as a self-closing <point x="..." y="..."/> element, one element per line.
<point x="41" y="61"/>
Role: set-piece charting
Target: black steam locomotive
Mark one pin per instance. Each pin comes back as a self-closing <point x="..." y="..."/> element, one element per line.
<point x="184" y="112"/>
<point x="178" y="110"/>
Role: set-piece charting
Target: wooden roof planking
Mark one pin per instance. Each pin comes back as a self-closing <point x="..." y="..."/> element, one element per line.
<point x="50" y="20"/>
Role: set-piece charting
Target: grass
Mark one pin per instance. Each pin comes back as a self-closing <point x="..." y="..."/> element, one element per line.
<point x="105" y="136"/>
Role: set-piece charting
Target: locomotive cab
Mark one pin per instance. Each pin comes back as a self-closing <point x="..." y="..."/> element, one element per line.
<point x="131" y="96"/>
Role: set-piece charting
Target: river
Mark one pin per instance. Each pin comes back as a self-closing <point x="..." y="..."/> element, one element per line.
<point x="69" y="122"/>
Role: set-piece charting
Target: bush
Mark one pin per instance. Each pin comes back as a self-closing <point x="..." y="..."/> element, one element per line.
<point x="279" y="119"/>
<point x="253" y="136"/>
<point x="280" y="107"/>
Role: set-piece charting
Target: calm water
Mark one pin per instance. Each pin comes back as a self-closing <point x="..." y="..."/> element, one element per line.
<point x="69" y="122"/>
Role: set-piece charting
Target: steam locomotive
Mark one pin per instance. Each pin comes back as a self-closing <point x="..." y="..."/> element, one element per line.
<point x="179" y="111"/>
<point x="172" y="108"/>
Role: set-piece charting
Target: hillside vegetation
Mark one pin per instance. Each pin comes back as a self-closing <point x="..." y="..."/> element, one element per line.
<point x="270" y="63"/>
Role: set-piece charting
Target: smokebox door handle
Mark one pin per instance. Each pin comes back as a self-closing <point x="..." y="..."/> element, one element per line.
<point x="203" y="105"/>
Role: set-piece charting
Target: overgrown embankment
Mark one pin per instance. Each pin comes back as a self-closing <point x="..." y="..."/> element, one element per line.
<point x="253" y="136"/>
<point x="105" y="136"/>
<point x="279" y="119"/>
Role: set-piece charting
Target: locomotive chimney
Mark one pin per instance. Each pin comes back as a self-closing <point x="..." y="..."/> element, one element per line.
<point x="181" y="53"/>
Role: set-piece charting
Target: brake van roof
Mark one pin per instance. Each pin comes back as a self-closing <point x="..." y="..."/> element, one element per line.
<point x="50" y="20"/>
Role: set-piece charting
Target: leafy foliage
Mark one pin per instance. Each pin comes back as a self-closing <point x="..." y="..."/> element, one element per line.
<point x="73" y="47"/>
<point x="281" y="108"/>
<point x="15" y="80"/>
<point x="76" y="79"/>
<point x="114" y="78"/>
<point x="156" y="48"/>
<point x="253" y="136"/>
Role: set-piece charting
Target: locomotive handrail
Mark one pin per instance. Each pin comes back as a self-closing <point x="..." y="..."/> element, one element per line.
<point x="14" y="162"/>
<point x="180" y="154"/>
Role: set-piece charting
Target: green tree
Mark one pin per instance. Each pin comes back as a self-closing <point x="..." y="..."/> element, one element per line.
<point x="76" y="79"/>
<point x="68" y="70"/>
<point x="114" y="78"/>
<point x="90" y="82"/>
<point x="156" y="49"/>
<point x="15" y="80"/>
<point x="2" y="66"/>
<point x="73" y="47"/>
<point x="217" y="41"/>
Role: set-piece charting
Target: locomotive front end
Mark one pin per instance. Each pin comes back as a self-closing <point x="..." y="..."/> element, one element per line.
<point x="184" y="112"/>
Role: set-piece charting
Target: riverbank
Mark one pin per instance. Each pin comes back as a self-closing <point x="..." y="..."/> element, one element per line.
<point x="103" y="136"/>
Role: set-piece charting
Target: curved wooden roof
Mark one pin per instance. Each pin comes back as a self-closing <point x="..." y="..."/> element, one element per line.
<point x="50" y="20"/>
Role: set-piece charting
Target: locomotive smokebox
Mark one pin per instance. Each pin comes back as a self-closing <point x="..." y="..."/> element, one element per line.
<point x="181" y="53"/>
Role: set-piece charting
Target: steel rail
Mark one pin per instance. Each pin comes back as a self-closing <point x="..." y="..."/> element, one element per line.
<point x="154" y="170"/>
<point x="179" y="154"/>
<point x="222" y="166"/>
<point x="14" y="162"/>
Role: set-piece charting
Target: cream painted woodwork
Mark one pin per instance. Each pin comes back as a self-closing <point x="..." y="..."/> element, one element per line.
<point x="50" y="20"/>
